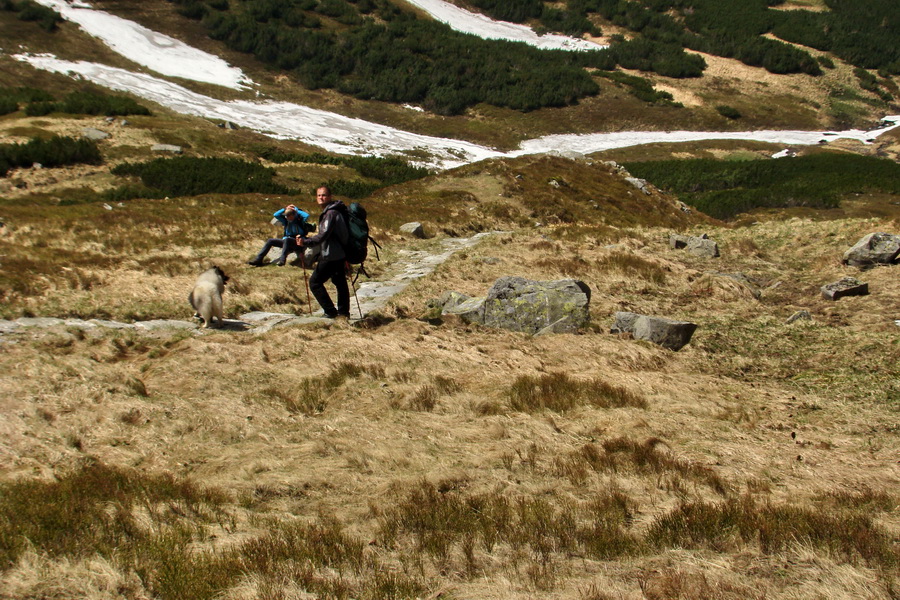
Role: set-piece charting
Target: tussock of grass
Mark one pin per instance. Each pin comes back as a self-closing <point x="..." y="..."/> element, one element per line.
<point x="448" y="525"/>
<point x="624" y="455"/>
<point x="92" y="511"/>
<point x="558" y="392"/>
<point x="774" y="528"/>
<point x="633" y="265"/>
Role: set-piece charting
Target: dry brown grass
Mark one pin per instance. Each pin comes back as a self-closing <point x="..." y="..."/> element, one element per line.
<point x="349" y="433"/>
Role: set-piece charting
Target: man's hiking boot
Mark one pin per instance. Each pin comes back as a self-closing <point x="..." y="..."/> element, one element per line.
<point x="280" y="263"/>
<point x="255" y="263"/>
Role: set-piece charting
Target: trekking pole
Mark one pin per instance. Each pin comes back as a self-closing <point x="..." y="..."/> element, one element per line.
<point x="305" y="280"/>
<point x="353" y="286"/>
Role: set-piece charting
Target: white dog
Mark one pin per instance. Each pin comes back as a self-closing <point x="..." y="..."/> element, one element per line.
<point x="206" y="297"/>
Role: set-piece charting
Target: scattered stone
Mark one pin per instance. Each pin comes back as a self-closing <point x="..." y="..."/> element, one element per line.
<point x="94" y="134"/>
<point x="555" y="184"/>
<point x="641" y="184"/>
<point x="107" y="206"/>
<point x="697" y="245"/>
<point x="125" y="123"/>
<point x="800" y="315"/>
<point x="874" y="249"/>
<point x="37" y="166"/>
<point x="414" y="229"/>
<point x="450" y="300"/>
<point x="519" y="304"/>
<point x="678" y="241"/>
<point x="166" y="148"/>
<point x="786" y="153"/>
<point x="703" y="247"/>
<point x="8" y="326"/>
<point x="846" y="286"/>
<point x="664" y="332"/>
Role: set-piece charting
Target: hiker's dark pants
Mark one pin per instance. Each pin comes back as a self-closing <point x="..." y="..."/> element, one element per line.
<point x="287" y="246"/>
<point x="334" y="271"/>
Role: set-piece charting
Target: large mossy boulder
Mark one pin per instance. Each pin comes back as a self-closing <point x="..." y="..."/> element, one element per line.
<point x="534" y="307"/>
<point x="874" y="249"/>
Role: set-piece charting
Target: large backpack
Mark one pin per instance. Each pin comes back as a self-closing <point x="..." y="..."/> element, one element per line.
<point x="357" y="247"/>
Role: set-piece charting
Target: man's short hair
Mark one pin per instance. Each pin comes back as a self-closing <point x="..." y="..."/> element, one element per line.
<point x="324" y="187"/>
<point x="290" y="211"/>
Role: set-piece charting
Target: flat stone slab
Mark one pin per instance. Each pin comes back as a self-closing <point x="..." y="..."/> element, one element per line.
<point x="157" y="324"/>
<point x="846" y="286"/>
<point x="39" y="321"/>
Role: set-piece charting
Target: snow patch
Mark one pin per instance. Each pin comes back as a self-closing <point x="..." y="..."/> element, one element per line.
<point x="156" y="51"/>
<point x="486" y="28"/>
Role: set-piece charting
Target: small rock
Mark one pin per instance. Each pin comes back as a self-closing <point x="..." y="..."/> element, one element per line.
<point x="414" y="229"/>
<point x="94" y="134"/>
<point x="166" y="148"/>
<point x="846" y="286"/>
<point x="640" y="184"/>
<point x="800" y="315"/>
<point x="667" y="333"/>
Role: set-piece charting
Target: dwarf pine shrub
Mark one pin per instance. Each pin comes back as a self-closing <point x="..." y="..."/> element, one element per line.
<point x="54" y="152"/>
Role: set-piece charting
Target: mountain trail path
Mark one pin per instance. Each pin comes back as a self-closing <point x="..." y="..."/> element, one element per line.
<point x="371" y="296"/>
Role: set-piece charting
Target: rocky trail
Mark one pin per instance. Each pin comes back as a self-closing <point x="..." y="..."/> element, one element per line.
<point x="371" y="296"/>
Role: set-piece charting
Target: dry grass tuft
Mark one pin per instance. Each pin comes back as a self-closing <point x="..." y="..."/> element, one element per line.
<point x="559" y="393"/>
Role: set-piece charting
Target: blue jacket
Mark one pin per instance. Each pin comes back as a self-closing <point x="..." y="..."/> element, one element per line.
<point x="295" y="228"/>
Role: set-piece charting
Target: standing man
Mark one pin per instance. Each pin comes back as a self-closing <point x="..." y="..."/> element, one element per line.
<point x="333" y="236"/>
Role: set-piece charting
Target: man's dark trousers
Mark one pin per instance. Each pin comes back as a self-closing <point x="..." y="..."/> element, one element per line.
<point x="334" y="271"/>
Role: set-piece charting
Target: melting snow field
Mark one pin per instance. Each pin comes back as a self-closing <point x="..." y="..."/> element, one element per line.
<point x="331" y="131"/>
<point x="156" y="51"/>
<point x="486" y="28"/>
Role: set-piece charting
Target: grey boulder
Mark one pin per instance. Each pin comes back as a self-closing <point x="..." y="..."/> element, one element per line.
<point x="699" y="246"/>
<point x="414" y="229"/>
<point x="667" y="333"/>
<point x="874" y="249"/>
<point x="519" y="304"/>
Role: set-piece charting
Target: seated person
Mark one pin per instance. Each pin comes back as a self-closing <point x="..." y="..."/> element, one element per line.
<point x="294" y="221"/>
